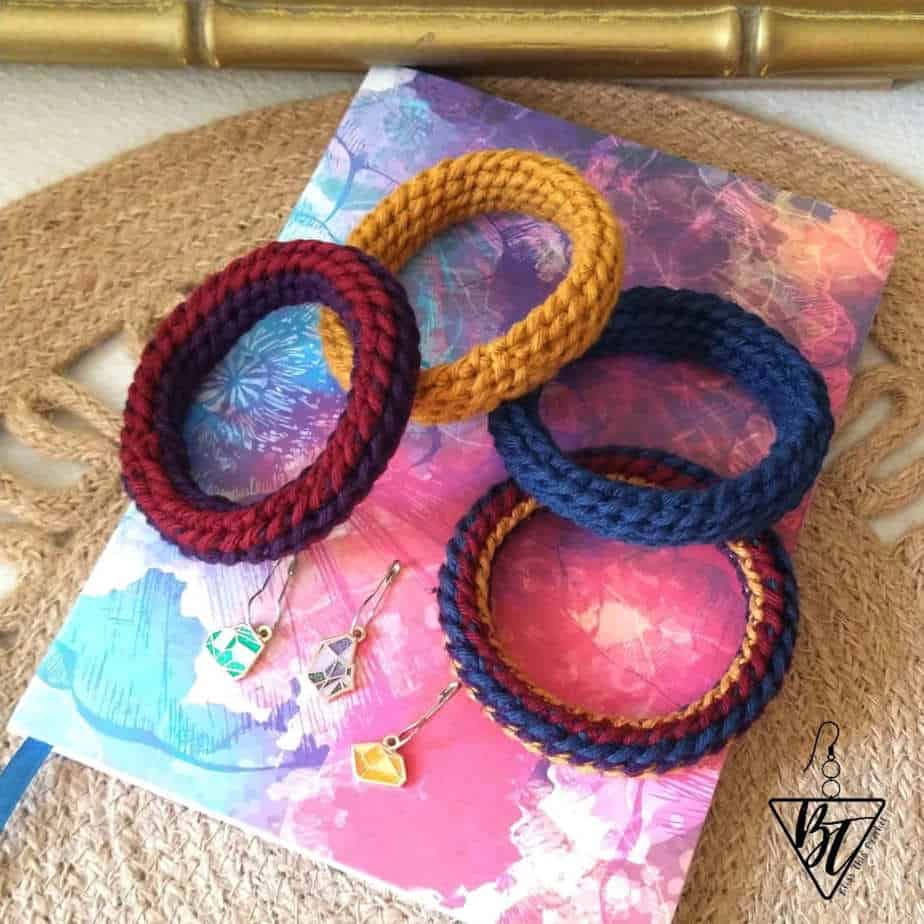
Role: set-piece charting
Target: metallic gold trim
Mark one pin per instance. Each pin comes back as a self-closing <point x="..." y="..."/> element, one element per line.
<point x="796" y="43"/>
<point x="608" y="39"/>
<point x="137" y="32"/>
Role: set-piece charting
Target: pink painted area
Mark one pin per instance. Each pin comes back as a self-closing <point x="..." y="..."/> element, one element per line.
<point x="629" y="616"/>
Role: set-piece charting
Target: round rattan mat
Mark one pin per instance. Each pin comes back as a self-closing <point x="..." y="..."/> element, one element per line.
<point x="111" y="250"/>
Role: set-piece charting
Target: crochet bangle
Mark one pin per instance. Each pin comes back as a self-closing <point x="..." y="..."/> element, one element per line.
<point x="553" y="333"/>
<point x="683" y="325"/>
<point x="611" y="743"/>
<point x="199" y="333"/>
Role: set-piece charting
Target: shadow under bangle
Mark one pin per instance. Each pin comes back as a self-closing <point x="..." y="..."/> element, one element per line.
<point x="612" y="743"/>
<point x="553" y="333"/>
<point x="682" y="325"/>
<point x="191" y="340"/>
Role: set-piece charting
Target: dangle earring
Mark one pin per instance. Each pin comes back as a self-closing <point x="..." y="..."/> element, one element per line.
<point x="333" y="669"/>
<point x="379" y="761"/>
<point x="831" y="768"/>
<point x="237" y="648"/>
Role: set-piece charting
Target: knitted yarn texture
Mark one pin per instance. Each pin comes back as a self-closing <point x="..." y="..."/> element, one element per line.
<point x="200" y="331"/>
<point x="678" y="324"/>
<point x="555" y="332"/>
<point x="613" y="743"/>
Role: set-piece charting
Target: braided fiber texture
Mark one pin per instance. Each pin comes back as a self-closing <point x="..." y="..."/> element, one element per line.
<point x="559" y="330"/>
<point x="680" y="325"/>
<point x="614" y="744"/>
<point x="87" y="847"/>
<point x="192" y="339"/>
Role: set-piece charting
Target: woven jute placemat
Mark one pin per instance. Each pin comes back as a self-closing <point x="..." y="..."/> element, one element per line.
<point x="108" y="252"/>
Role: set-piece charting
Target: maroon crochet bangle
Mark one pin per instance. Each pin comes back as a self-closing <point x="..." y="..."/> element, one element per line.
<point x="199" y="332"/>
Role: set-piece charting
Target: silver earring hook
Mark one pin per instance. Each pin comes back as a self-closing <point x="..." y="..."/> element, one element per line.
<point x="394" y="742"/>
<point x="373" y="602"/>
<point x="837" y="734"/>
<point x="264" y="631"/>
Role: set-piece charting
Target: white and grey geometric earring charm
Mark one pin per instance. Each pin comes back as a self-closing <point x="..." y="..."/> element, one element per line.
<point x="332" y="671"/>
<point x="237" y="648"/>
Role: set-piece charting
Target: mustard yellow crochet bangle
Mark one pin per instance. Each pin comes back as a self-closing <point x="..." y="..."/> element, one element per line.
<point x="555" y="332"/>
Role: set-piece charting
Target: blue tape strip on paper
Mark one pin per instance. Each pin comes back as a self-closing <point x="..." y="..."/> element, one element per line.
<point x="18" y="774"/>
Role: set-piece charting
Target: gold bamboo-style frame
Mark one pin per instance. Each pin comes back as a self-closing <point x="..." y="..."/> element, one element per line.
<point x="613" y="38"/>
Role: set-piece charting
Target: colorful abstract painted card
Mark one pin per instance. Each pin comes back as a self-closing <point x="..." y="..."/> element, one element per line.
<point x="484" y="828"/>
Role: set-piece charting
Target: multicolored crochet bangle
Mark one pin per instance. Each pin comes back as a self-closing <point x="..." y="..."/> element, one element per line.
<point x="683" y="325"/>
<point x="200" y="332"/>
<point x="607" y="743"/>
<point x="552" y="334"/>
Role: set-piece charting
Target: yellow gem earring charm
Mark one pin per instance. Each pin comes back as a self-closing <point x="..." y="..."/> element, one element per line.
<point x="237" y="648"/>
<point x="379" y="761"/>
<point x="332" y="671"/>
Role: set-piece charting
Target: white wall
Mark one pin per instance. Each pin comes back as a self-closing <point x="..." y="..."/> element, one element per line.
<point x="57" y="120"/>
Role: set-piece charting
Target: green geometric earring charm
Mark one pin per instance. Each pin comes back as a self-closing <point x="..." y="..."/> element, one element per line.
<point x="236" y="649"/>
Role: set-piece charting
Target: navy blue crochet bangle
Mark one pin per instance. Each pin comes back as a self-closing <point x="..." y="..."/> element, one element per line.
<point x="607" y="743"/>
<point x="677" y="324"/>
